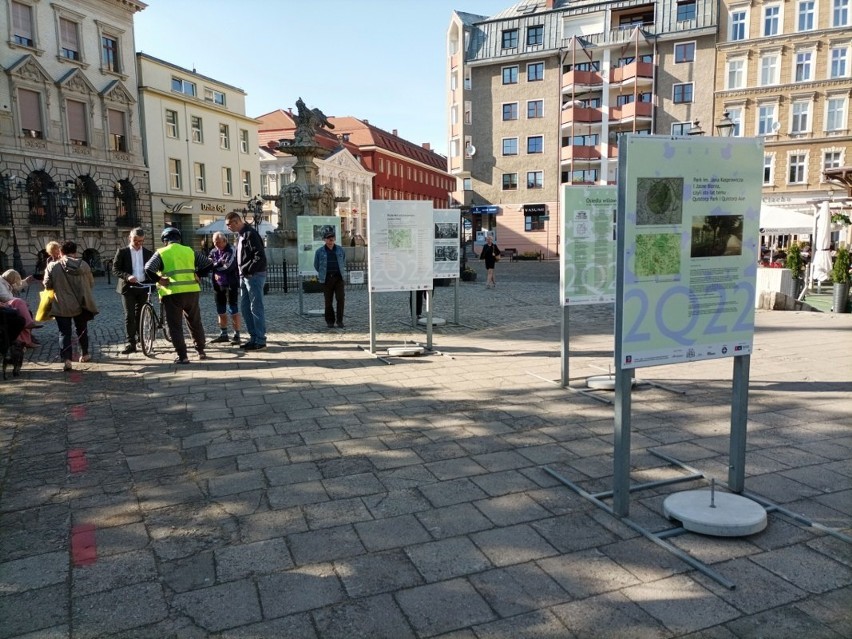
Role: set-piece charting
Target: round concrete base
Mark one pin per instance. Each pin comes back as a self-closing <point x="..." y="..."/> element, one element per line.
<point x="317" y="312"/>
<point x="405" y="351"/>
<point x="732" y="516"/>
<point x="436" y="321"/>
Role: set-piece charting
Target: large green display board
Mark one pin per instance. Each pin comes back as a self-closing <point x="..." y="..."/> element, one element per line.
<point x="309" y="231"/>
<point x="688" y="217"/>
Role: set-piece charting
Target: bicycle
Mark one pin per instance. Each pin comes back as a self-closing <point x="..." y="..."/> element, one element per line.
<point x="150" y="322"/>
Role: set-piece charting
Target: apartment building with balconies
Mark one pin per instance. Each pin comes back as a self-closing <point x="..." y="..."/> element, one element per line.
<point x="71" y="151"/>
<point x="540" y="94"/>
<point x="784" y="73"/>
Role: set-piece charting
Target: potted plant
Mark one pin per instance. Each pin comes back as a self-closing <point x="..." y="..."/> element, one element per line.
<point x="840" y="277"/>
<point x="311" y="285"/>
<point x="468" y="274"/>
<point x="796" y="264"/>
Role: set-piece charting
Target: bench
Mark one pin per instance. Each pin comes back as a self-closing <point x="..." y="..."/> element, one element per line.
<point x="509" y="253"/>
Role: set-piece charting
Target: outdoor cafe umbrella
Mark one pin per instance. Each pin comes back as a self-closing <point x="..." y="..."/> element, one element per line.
<point x="219" y="226"/>
<point x="821" y="264"/>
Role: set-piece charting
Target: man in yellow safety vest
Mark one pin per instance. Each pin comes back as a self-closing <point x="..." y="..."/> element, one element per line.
<point x="176" y="270"/>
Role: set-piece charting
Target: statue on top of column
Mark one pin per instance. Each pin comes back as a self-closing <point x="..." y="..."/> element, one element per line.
<point x="308" y="122"/>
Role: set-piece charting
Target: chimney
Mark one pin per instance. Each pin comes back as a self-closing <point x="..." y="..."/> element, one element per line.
<point x="395" y="133"/>
<point x="427" y="146"/>
<point x="548" y="4"/>
<point x="365" y="121"/>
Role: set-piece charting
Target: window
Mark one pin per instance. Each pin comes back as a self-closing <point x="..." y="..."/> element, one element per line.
<point x="803" y="69"/>
<point x="535" y="144"/>
<point x="244" y="141"/>
<point x="216" y="97"/>
<point x="117" y="133"/>
<point x="227" y="182"/>
<point x="769" y="69"/>
<point x="585" y="176"/>
<point x="172" y="129"/>
<point x="838" y="58"/>
<point x="535" y="179"/>
<point x="800" y="116"/>
<point x="682" y="93"/>
<point x="197" y="129"/>
<point x="766" y="120"/>
<point x="510" y="181"/>
<point x="681" y="128"/>
<point x="771" y="16"/>
<point x="246" y="178"/>
<point x="535" y="109"/>
<point x="29" y="104"/>
<point x="186" y="87"/>
<point x="831" y="160"/>
<point x="736" y="74"/>
<point x="835" y="113"/>
<point x="224" y="136"/>
<point x="535" y="72"/>
<point x="509" y="39"/>
<point x="796" y="163"/>
<point x="510" y="75"/>
<point x="76" y="112"/>
<point x="840" y="13"/>
<point x="23" y="32"/>
<point x="467" y="184"/>
<point x="533" y="222"/>
<point x="69" y="44"/>
<point x="735" y="115"/>
<point x="109" y="54"/>
<point x="199" y="177"/>
<point x="684" y="52"/>
<point x="768" y="164"/>
<point x="175" y="175"/>
<point x="535" y="35"/>
<point x="510" y="111"/>
<point x="510" y="146"/>
<point x="589" y="139"/>
<point x="806" y="15"/>
<point x="685" y="10"/>
<point x="739" y="22"/>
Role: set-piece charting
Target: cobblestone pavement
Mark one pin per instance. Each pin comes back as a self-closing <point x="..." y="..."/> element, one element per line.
<point x="312" y="490"/>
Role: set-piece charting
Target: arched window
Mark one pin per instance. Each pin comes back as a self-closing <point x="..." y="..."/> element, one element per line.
<point x="41" y="196"/>
<point x="88" y="202"/>
<point x="126" y="204"/>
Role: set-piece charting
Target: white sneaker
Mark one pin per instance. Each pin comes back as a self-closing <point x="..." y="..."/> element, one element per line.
<point x="85" y="358"/>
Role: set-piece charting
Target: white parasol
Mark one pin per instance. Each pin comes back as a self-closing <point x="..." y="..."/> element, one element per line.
<point x="821" y="264"/>
<point x="219" y="225"/>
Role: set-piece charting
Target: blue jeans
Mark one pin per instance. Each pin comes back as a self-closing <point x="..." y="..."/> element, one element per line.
<point x="251" y="307"/>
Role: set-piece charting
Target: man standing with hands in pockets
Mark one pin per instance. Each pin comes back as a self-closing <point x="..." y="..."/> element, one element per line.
<point x="251" y="263"/>
<point x="330" y="265"/>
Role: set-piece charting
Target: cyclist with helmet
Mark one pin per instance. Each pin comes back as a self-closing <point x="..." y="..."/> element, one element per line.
<point x="176" y="270"/>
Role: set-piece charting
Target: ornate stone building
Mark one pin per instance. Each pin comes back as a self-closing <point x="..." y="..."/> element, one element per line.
<point x="71" y="154"/>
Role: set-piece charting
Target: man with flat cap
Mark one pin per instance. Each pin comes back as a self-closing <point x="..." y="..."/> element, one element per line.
<point x="330" y="265"/>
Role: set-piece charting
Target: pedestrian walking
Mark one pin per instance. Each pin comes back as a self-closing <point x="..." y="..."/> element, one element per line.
<point x="176" y="269"/>
<point x="128" y="266"/>
<point x="71" y="281"/>
<point x="226" y="287"/>
<point x="330" y="265"/>
<point x="251" y="264"/>
<point x="10" y="288"/>
<point x="491" y="254"/>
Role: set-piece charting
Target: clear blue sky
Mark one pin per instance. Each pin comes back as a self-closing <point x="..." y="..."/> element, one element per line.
<point x="380" y="60"/>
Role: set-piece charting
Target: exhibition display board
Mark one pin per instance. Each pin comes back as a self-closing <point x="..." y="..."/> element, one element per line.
<point x="400" y="246"/>
<point x="446" y="243"/>
<point x="309" y="230"/>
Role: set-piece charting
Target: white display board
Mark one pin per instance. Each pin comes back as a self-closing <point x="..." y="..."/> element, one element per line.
<point x="688" y="211"/>
<point x="400" y="245"/>
<point x="446" y="247"/>
<point x="588" y="271"/>
<point x="309" y="229"/>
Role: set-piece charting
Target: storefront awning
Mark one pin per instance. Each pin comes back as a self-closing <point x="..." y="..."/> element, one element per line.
<point x="535" y="209"/>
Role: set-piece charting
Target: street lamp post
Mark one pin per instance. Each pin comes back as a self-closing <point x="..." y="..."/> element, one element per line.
<point x="725" y="127"/>
<point x="11" y="189"/>
<point x="66" y="198"/>
<point x="255" y="208"/>
<point x="695" y="129"/>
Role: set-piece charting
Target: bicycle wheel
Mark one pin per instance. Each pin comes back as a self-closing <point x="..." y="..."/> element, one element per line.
<point x="166" y="332"/>
<point x="147" y="329"/>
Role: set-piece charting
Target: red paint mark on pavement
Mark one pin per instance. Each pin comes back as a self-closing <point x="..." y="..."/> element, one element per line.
<point x="78" y="411"/>
<point x="75" y="377"/>
<point x="77" y="462"/>
<point x="83" y="548"/>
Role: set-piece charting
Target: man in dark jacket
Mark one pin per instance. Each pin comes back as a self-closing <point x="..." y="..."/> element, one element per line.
<point x="128" y="266"/>
<point x="251" y="263"/>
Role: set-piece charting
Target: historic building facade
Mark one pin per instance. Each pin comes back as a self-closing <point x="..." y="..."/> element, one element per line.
<point x="71" y="151"/>
<point x="200" y="146"/>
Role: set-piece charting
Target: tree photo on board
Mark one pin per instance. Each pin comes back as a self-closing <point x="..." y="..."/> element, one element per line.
<point x="796" y="263"/>
<point x="841" y="278"/>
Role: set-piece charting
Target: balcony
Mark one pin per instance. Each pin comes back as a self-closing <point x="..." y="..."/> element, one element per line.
<point x="641" y="73"/>
<point x="581" y="154"/>
<point x="580" y="115"/>
<point x="634" y="111"/>
<point x="581" y="81"/>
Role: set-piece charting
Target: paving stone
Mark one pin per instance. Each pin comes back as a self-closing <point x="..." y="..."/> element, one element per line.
<point x="512" y="545"/>
<point x="806" y="568"/>
<point x="620" y="617"/>
<point x="454" y="491"/>
<point x="377" y="617"/>
<point x="377" y="572"/>
<point x="570" y="533"/>
<point x="460" y="519"/>
<point x="121" y="539"/>
<point x="518" y="589"/>
<point x="292" y="474"/>
<point x="336" y="513"/>
<point x="392" y="532"/>
<point x="396" y="502"/>
<point x="154" y="460"/>
<point x="455" y="468"/>
<point x="232" y="449"/>
<point x="298" y="590"/>
<point x="236" y="483"/>
<point x="443" y="606"/>
<point x="32" y="610"/>
<point x="353" y="486"/>
<point x="534" y="625"/>
<point x="586" y="573"/>
<point x="189" y="573"/>
<point x="112" y="572"/>
<point x="272" y="524"/>
<point x="244" y="560"/>
<point x="447" y="558"/>
<point x="511" y="509"/>
<point x="326" y="544"/>
<point x="33" y="572"/>
<point x="298" y="626"/>
<point x="220" y="607"/>
<point x="787" y="621"/>
<point x="118" y="610"/>
<point x="309" y="492"/>
<point x="188" y="529"/>
<point x="757" y="588"/>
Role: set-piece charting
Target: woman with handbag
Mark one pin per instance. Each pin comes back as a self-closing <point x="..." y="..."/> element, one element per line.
<point x="71" y="280"/>
<point x="10" y="286"/>
<point x="491" y="254"/>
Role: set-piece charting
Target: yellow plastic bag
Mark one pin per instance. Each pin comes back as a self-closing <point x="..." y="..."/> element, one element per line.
<point x="45" y="302"/>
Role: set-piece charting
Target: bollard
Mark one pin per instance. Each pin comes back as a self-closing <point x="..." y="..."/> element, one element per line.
<point x="284" y="269"/>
